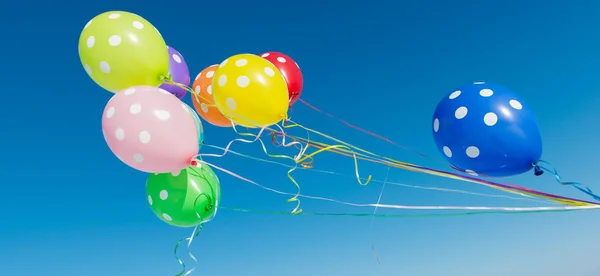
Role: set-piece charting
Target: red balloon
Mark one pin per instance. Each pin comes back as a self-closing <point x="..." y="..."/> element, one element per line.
<point x="290" y="71"/>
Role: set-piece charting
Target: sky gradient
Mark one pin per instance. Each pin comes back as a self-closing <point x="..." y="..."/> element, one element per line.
<point x="69" y="207"/>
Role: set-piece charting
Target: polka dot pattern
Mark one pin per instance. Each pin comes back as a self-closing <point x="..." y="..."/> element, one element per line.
<point x="247" y="92"/>
<point x="474" y="125"/>
<point x="114" y="41"/>
<point x="175" y="197"/>
<point x="290" y="71"/>
<point x="144" y="123"/>
<point x="204" y="102"/>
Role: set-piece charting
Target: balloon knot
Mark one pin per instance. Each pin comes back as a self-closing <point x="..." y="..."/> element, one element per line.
<point x="194" y="163"/>
<point x="537" y="171"/>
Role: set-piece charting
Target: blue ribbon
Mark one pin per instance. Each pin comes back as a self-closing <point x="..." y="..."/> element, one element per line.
<point x="539" y="170"/>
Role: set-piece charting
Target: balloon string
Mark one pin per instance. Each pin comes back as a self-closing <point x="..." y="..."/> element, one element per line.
<point x="289" y="173"/>
<point x="524" y="196"/>
<point x="342" y="146"/>
<point x="579" y="186"/>
<point x="369" y="132"/>
<point x="510" y="188"/>
<point x="184" y="271"/>
<point x="403" y="207"/>
<point x="375" y="212"/>
<point x="400" y="215"/>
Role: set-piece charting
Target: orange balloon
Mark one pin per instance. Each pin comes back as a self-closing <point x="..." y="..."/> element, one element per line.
<point x="204" y="103"/>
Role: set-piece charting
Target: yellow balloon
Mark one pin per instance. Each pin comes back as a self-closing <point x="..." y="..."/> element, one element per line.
<point x="251" y="91"/>
<point x="120" y="49"/>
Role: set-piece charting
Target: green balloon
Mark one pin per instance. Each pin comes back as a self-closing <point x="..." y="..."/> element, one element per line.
<point x="120" y="49"/>
<point x="185" y="199"/>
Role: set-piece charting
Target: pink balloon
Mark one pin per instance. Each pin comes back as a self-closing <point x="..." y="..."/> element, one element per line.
<point x="150" y="130"/>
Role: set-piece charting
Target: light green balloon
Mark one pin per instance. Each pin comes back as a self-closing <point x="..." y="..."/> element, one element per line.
<point x="186" y="198"/>
<point x="120" y="49"/>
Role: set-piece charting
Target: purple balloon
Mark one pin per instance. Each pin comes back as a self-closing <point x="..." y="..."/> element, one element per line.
<point x="179" y="72"/>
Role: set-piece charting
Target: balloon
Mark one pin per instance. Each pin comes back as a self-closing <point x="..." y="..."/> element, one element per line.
<point x="199" y="127"/>
<point x="150" y="130"/>
<point x="251" y="91"/>
<point x="179" y="72"/>
<point x="184" y="198"/>
<point x="291" y="73"/>
<point x="487" y="129"/>
<point x="119" y="50"/>
<point x="204" y="103"/>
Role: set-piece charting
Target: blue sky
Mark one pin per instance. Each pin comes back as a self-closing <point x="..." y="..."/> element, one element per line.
<point x="69" y="207"/>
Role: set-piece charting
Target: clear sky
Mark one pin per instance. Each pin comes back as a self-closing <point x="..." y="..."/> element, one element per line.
<point x="69" y="207"/>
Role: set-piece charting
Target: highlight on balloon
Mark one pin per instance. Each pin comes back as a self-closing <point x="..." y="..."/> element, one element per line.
<point x="483" y="131"/>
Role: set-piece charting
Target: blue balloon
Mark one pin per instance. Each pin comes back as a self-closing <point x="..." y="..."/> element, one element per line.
<point x="487" y="129"/>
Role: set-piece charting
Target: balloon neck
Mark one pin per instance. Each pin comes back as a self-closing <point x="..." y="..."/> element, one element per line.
<point x="165" y="78"/>
<point x="537" y="171"/>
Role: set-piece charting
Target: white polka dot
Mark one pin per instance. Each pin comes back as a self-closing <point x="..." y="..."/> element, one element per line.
<point x="515" y="104"/>
<point x="486" y="92"/>
<point x="243" y="81"/>
<point x="197" y="89"/>
<point x="90" y="41"/>
<point x="164" y="194"/>
<point x="129" y="91"/>
<point x="231" y="104"/>
<point x="222" y="80"/>
<point x="164" y="91"/>
<point x="436" y="125"/>
<point x="198" y="76"/>
<point x="138" y="158"/>
<point x="209" y="89"/>
<point x="176" y="58"/>
<point x="223" y="63"/>
<point x="87" y="25"/>
<point x="110" y="112"/>
<point x="241" y="62"/>
<point x="162" y="115"/>
<point x="138" y="25"/>
<point x="490" y="118"/>
<point x="150" y="200"/>
<point x="447" y="151"/>
<point x="210" y="74"/>
<point x="479" y="82"/>
<point x="114" y="40"/>
<point x="265" y="55"/>
<point x="176" y="173"/>
<point x="104" y="67"/>
<point x="88" y="69"/>
<point x="454" y="95"/>
<point x="270" y="72"/>
<point x="461" y="112"/>
<point x="135" y="108"/>
<point x="167" y="217"/>
<point x="120" y="134"/>
<point x="472" y="151"/>
<point x="281" y="59"/>
<point x="471" y="172"/>
<point x="204" y="108"/>
<point x="114" y="15"/>
<point x="144" y="137"/>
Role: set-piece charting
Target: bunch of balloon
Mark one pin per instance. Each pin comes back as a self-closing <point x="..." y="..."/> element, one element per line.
<point x="244" y="90"/>
<point x="248" y="90"/>
<point x="145" y="123"/>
